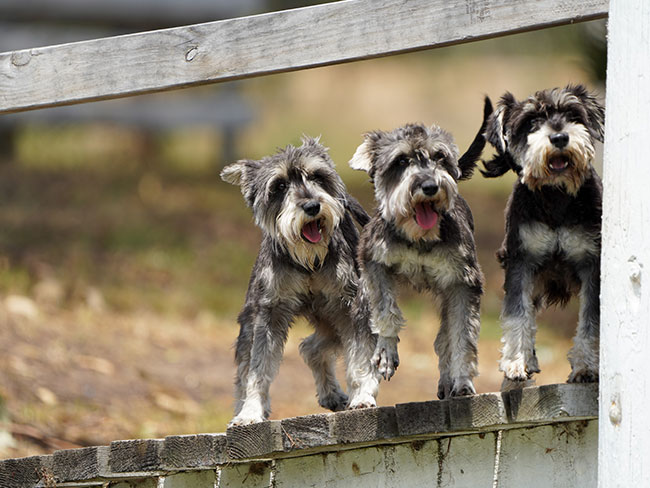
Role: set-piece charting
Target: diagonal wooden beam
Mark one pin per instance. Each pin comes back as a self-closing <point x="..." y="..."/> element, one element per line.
<point x="263" y="44"/>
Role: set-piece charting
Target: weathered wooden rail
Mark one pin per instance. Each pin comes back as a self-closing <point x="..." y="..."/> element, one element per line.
<point x="539" y="436"/>
<point x="263" y="44"/>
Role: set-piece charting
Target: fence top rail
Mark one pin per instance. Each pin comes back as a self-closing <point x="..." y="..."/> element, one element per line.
<point x="262" y="44"/>
<point x="302" y="436"/>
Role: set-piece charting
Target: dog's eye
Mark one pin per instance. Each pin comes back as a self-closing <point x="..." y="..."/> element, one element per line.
<point x="438" y="155"/>
<point x="318" y="177"/>
<point x="402" y="160"/>
<point x="278" y="187"/>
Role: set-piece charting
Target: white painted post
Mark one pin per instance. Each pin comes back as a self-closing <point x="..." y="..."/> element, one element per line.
<point x="624" y="422"/>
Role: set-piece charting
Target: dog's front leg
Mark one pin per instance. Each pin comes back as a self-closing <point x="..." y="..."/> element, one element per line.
<point x="457" y="341"/>
<point x="270" y="327"/>
<point x="518" y="360"/>
<point x="385" y="317"/>
<point x="585" y="351"/>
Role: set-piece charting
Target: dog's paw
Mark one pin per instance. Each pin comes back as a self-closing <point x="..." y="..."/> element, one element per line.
<point x="362" y="401"/>
<point x="462" y="387"/>
<point x="335" y="401"/>
<point x="385" y="358"/>
<point x="244" y="420"/>
<point x="583" y="376"/>
<point x="452" y="388"/>
<point x="518" y="369"/>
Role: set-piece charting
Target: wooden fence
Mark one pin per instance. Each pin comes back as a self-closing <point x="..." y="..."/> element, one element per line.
<point x="361" y="29"/>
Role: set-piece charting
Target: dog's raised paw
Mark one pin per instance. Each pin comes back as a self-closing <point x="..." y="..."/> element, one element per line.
<point x="386" y="358"/>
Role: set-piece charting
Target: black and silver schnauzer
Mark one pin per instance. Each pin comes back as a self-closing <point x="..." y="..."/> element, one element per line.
<point x="421" y="234"/>
<point x="306" y="266"/>
<point x="551" y="248"/>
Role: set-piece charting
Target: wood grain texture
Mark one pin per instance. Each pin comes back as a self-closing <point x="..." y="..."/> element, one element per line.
<point x="250" y="441"/>
<point x="25" y="472"/>
<point x="422" y="417"/>
<point x="193" y="451"/>
<point x="625" y="293"/>
<point x="135" y="456"/>
<point x="476" y="412"/>
<point x="307" y="432"/>
<point x="263" y="44"/>
<point x="365" y="425"/>
<point x="552" y="402"/>
<point x="80" y="464"/>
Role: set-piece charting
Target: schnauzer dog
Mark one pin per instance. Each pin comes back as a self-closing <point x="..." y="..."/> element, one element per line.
<point x="306" y="266"/>
<point x="551" y="249"/>
<point x="422" y="234"/>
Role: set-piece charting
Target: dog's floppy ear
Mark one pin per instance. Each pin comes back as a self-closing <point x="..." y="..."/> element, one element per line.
<point x="467" y="162"/>
<point x="495" y="132"/>
<point x="595" y="111"/>
<point x="234" y="173"/>
<point x="238" y="173"/>
<point x="362" y="159"/>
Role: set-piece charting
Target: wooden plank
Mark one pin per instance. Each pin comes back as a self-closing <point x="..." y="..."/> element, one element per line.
<point x="551" y="456"/>
<point x="624" y="444"/>
<point x="263" y="44"/>
<point x="127" y="12"/>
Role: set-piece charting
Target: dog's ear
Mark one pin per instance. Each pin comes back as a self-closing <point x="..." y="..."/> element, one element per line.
<point x="467" y="162"/>
<point x="237" y="173"/>
<point x="595" y="111"/>
<point x="495" y="132"/>
<point x="362" y="159"/>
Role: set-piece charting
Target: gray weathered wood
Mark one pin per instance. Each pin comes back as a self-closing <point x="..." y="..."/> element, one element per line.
<point x="625" y="307"/>
<point x="135" y="456"/>
<point x="192" y="451"/>
<point x="80" y="464"/>
<point x="249" y="441"/>
<point x="25" y="472"/>
<point x="476" y="412"/>
<point x="263" y="44"/>
<point x="452" y="443"/>
<point x="551" y="456"/>
<point x="365" y="425"/>
<point x="550" y="402"/>
<point x="422" y="417"/>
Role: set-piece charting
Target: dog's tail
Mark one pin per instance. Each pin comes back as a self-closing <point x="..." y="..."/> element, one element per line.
<point x="499" y="165"/>
<point x="353" y="206"/>
<point x="467" y="162"/>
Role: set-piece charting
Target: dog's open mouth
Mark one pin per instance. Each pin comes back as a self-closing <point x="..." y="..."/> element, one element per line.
<point x="558" y="163"/>
<point x="426" y="215"/>
<point x="311" y="231"/>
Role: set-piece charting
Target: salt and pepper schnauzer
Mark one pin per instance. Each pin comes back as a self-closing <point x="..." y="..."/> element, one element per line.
<point x="422" y="234"/>
<point x="551" y="248"/>
<point x="306" y="266"/>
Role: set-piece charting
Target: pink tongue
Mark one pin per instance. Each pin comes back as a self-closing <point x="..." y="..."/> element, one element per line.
<point x="425" y="216"/>
<point x="310" y="232"/>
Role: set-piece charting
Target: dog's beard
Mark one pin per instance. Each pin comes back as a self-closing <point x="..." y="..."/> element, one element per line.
<point x="545" y="164"/>
<point x="306" y="238"/>
<point x="415" y="214"/>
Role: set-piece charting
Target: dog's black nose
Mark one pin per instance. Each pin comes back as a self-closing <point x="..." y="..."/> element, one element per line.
<point x="429" y="188"/>
<point x="311" y="208"/>
<point x="559" y="139"/>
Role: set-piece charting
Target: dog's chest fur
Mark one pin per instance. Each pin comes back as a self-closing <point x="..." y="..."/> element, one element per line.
<point x="550" y="223"/>
<point x="573" y="243"/>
